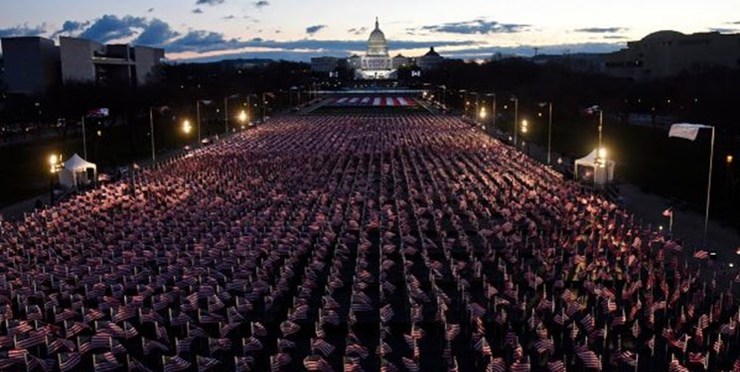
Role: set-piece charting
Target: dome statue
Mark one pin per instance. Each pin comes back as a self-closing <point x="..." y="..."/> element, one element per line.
<point x="376" y="44"/>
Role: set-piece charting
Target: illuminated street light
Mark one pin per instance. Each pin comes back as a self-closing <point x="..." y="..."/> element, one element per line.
<point x="55" y="165"/>
<point x="186" y="127"/>
<point x="483" y="113"/>
<point x="242" y="117"/>
<point x="729" y="159"/>
<point x="602" y="153"/>
<point x="525" y="126"/>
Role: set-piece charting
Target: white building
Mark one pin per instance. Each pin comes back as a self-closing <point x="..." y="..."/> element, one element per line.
<point x="33" y="65"/>
<point x="376" y="63"/>
<point x="87" y="61"/>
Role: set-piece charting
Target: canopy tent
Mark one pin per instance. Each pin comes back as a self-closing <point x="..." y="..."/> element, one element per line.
<point x="589" y="169"/>
<point x="75" y="172"/>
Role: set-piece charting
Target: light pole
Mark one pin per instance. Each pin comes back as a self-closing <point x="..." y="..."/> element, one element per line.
<point x="493" y="109"/>
<point x="55" y="162"/>
<point x="549" y="130"/>
<point x="161" y="110"/>
<point x="243" y="118"/>
<point x="525" y="130"/>
<point x="226" y="111"/>
<point x="444" y="97"/>
<point x="477" y="102"/>
<point x="464" y="94"/>
<point x="516" y="119"/>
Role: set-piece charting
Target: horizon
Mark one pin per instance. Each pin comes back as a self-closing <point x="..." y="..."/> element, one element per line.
<point x="212" y="30"/>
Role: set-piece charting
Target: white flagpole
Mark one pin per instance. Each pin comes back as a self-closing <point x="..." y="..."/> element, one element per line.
<point x="197" y="113"/>
<point x="709" y="188"/>
<point x="549" y="134"/>
<point x="84" y="138"/>
<point x="151" y="134"/>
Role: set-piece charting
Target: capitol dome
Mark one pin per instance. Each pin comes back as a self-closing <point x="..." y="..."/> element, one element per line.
<point x="376" y="44"/>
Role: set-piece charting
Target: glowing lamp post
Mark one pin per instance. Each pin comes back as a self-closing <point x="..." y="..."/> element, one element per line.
<point x="187" y="127"/>
<point x="55" y="165"/>
<point x="242" y="118"/>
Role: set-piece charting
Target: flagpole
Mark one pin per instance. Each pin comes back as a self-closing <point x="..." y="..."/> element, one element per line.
<point x="151" y="133"/>
<point x="197" y="113"/>
<point x="84" y="138"/>
<point x="516" y="122"/>
<point x="670" y="224"/>
<point x="709" y="188"/>
<point x="549" y="135"/>
<point x="226" y="115"/>
<point x="493" y="112"/>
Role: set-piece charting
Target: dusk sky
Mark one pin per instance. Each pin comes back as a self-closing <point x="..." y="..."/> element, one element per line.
<point x="216" y="29"/>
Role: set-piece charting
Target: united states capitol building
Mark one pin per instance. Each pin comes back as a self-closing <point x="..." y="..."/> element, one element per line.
<point x="376" y="63"/>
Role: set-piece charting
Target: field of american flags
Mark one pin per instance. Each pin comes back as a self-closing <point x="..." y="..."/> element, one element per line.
<point x="409" y="242"/>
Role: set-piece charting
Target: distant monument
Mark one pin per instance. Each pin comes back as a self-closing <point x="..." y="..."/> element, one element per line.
<point x="376" y="63"/>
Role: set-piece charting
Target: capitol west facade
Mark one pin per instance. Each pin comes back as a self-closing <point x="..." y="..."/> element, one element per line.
<point x="376" y="63"/>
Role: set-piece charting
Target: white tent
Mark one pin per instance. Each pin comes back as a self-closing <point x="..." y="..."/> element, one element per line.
<point x="589" y="168"/>
<point x="74" y="173"/>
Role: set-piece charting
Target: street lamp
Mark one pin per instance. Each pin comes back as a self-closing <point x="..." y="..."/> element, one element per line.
<point x="601" y="157"/>
<point x="549" y="129"/>
<point x="55" y="165"/>
<point x="482" y="114"/>
<point x="493" y="109"/>
<point x="516" y="118"/>
<point x="243" y="118"/>
<point x="729" y="160"/>
<point x="187" y="127"/>
<point x="226" y="111"/>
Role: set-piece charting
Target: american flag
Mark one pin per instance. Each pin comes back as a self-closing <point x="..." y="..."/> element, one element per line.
<point x="288" y="328"/>
<point x="149" y="346"/>
<point x="68" y="361"/>
<point x="205" y="363"/>
<point x="322" y="347"/>
<point x="219" y="344"/>
<point x="106" y="362"/>
<point x="316" y="363"/>
<point x="588" y="357"/>
<point x="258" y="329"/>
<point x="278" y="361"/>
<point x="556" y="366"/>
<point x="174" y="364"/>
<point x="243" y="364"/>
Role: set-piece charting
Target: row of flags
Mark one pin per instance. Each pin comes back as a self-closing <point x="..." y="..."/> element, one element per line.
<point x="427" y="251"/>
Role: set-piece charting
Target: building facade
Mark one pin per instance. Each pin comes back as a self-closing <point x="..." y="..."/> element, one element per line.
<point x="35" y="64"/>
<point x="86" y="61"/>
<point x="666" y="53"/>
<point x="324" y="64"/>
<point x="31" y="65"/>
<point x="429" y="61"/>
<point x="376" y="63"/>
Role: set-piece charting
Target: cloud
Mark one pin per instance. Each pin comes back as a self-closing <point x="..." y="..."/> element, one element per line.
<point x="261" y="4"/>
<point x="723" y="30"/>
<point x="156" y="33"/>
<point x="314" y="29"/>
<point x="528" y="50"/>
<point x="615" y="37"/>
<point x="228" y="17"/>
<point x="197" y="11"/>
<point x="111" y="27"/>
<point x="71" y="27"/>
<point x="23" y="30"/>
<point x="201" y="41"/>
<point x="150" y="10"/>
<point x="209" y="2"/>
<point x="477" y="26"/>
<point x="358" y="31"/>
<point x="601" y="30"/>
